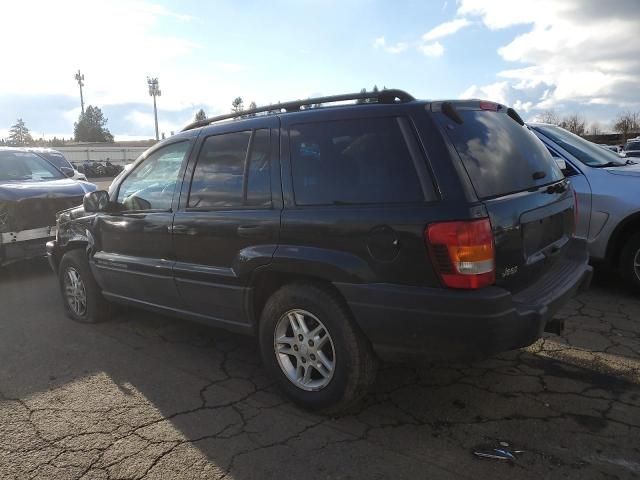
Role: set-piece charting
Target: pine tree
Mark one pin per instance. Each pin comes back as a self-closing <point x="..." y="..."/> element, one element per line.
<point x="19" y="134"/>
<point x="200" y="115"/>
<point x="91" y="127"/>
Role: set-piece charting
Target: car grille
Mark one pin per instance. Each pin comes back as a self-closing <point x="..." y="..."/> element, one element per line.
<point x="35" y="212"/>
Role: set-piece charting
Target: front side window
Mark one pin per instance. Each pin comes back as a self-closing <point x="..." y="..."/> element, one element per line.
<point x="152" y="184"/>
<point x="363" y="161"/>
<point x="233" y="170"/>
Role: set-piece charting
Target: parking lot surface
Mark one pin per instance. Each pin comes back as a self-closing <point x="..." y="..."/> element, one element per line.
<point x="145" y="396"/>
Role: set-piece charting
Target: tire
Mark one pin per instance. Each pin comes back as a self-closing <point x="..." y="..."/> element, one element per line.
<point x="630" y="260"/>
<point x="95" y="308"/>
<point x="354" y="365"/>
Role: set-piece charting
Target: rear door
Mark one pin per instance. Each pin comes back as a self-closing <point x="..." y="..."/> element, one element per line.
<point x="530" y="204"/>
<point x="229" y="218"/>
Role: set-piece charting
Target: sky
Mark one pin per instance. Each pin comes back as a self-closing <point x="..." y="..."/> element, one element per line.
<point x="572" y="56"/>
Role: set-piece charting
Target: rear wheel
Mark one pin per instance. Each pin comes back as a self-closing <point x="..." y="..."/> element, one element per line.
<point x="312" y="348"/>
<point x="83" y="300"/>
<point x="630" y="260"/>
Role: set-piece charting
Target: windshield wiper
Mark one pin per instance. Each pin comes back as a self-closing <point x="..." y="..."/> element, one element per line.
<point x="610" y="164"/>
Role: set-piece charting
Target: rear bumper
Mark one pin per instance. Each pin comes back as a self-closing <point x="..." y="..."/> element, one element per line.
<point x="450" y="324"/>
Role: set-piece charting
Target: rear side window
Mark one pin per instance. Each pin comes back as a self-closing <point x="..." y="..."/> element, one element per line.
<point x="232" y="170"/>
<point x="363" y="161"/>
<point x="500" y="155"/>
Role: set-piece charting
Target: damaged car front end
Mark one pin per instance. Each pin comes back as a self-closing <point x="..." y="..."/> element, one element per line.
<point x="31" y="193"/>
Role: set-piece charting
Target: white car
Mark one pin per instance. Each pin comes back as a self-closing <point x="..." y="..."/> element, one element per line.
<point x="58" y="160"/>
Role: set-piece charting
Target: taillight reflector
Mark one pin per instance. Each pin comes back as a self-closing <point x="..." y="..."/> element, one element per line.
<point x="463" y="252"/>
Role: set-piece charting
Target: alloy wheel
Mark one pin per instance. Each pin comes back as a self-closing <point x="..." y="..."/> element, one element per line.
<point x="75" y="292"/>
<point x="304" y="349"/>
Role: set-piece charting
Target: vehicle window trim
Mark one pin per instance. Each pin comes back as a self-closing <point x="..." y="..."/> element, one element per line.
<point x="395" y="117"/>
<point x="140" y="162"/>
<point x="245" y="174"/>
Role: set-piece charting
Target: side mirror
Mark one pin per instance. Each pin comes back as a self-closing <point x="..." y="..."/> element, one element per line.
<point x="562" y="165"/>
<point x="97" y="201"/>
<point x="67" y="172"/>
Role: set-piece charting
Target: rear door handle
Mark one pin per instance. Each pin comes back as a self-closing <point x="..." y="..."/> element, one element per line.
<point x="252" y="230"/>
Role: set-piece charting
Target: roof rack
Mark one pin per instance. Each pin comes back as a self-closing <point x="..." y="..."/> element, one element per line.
<point x="383" y="96"/>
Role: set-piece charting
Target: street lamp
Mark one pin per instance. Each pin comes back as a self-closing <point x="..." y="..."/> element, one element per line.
<point x="154" y="91"/>
<point x="80" y="79"/>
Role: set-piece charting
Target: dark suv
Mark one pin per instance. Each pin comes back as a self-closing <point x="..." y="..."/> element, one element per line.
<point x="395" y="226"/>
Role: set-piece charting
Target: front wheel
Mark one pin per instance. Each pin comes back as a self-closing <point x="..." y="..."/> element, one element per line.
<point x="83" y="300"/>
<point x="313" y="349"/>
<point x="630" y="260"/>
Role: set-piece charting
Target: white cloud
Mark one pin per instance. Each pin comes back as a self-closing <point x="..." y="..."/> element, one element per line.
<point x="434" y="49"/>
<point x="398" y="47"/>
<point x="574" y="53"/>
<point x="445" y="29"/>
<point x="230" y="67"/>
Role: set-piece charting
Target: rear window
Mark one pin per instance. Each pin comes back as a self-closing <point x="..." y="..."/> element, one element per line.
<point x="632" y="146"/>
<point x="360" y="161"/>
<point x="500" y="155"/>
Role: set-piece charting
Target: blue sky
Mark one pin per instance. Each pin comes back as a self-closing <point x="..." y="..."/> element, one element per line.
<point x="566" y="55"/>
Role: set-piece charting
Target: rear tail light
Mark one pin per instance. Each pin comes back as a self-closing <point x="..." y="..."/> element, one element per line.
<point x="463" y="252"/>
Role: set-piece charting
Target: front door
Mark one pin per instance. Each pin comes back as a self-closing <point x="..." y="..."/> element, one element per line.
<point x="133" y="250"/>
<point x="227" y="223"/>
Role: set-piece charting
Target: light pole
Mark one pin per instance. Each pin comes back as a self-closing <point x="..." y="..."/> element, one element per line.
<point x="80" y="79"/>
<point x="154" y="91"/>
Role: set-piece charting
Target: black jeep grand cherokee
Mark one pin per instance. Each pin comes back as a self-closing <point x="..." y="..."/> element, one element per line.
<point x="395" y="226"/>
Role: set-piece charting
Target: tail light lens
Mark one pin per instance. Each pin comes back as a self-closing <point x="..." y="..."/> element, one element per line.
<point x="463" y="252"/>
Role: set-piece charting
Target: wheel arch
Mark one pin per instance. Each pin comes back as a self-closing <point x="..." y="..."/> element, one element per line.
<point x="623" y="230"/>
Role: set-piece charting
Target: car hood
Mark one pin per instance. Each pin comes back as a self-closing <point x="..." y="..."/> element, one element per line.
<point x="627" y="170"/>
<point x="21" y="190"/>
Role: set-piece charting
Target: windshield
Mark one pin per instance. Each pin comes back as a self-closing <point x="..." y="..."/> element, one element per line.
<point x="632" y="146"/>
<point x="587" y="152"/>
<point x="26" y="166"/>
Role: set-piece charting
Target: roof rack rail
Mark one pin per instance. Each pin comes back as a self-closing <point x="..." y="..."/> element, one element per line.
<point x="383" y="96"/>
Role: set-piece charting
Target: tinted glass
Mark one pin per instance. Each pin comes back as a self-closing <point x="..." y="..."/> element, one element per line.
<point x="219" y="173"/>
<point x="500" y="155"/>
<point x="26" y="166"/>
<point x="56" y="159"/>
<point x="587" y="152"/>
<point x="151" y="185"/>
<point x="632" y="146"/>
<point x="259" y="171"/>
<point x="353" y="162"/>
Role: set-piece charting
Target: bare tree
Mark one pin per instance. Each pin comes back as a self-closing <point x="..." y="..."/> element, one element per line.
<point x="252" y="106"/>
<point x="595" y="128"/>
<point x="574" y="123"/>
<point x="626" y="123"/>
<point x="237" y="105"/>
<point x="549" y="116"/>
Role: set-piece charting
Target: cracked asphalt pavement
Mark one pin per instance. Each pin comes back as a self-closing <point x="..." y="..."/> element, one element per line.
<point x="145" y="396"/>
